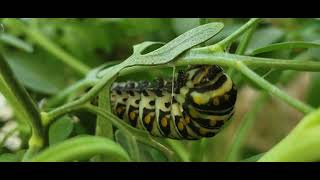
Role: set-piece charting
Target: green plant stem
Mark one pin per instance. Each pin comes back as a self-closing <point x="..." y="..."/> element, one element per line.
<point x="225" y="42"/>
<point x="133" y="146"/>
<point x="52" y="115"/>
<point x="273" y="90"/>
<point x="52" y="48"/>
<point x="241" y="49"/>
<point x="82" y="148"/>
<point x="22" y="104"/>
<point x="62" y="95"/>
<point x="104" y="127"/>
<point x="226" y="59"/>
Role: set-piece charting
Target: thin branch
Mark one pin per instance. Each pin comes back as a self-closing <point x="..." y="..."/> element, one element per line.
<point x="225" y="42"/>
<point x="273" y="90"/>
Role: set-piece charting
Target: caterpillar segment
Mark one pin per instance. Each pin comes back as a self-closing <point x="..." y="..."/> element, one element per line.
<point x="197" y="104"/>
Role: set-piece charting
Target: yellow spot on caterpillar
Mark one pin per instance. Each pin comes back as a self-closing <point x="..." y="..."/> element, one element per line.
<point x="199" y="99"/>
<point x="180" y="125"/>
<point x="164" y="122"/>
<point x="132" y="115"/>
<point x="216" y="101"/>
<point x="147" y="119"/>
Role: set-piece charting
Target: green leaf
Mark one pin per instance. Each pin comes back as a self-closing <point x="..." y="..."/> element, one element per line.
<point x="60" y="130"/>
<point x="12" y="40"/>
<point x="82" y="148"/>
<point x="23" y="105"/>
<point x="285" y="45"/>
<point x="38" y="71"/>
<point x="176" y="46"/>
<point x="103" y="126"/>
<point x="263" y="37"/>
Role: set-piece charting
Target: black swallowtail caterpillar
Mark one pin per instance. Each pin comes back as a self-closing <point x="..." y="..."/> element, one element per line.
<point x="197" y="104"/>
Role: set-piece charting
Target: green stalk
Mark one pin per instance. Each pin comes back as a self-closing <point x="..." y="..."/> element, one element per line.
<point x="104" y="127"/>
<point x="133" y="148"/>
<point x="22" y="104"/>
<point x="82" y="148"/>
<point x="241" y="49"/>
<point x="273" y="90"/>
<point x="225" y="42"/>
<point x="226" y="59"/>
<point x="243" y="45"/>
<point x="52" y="115"/>
<point x="62" y="95"/>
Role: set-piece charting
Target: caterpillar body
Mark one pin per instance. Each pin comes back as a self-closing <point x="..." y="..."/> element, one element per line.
<point x="196" y="104"/>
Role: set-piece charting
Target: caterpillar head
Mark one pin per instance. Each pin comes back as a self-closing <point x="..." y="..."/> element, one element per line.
<point x="209" y="91"/>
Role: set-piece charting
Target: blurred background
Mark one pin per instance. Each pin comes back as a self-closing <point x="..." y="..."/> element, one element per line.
<point x="97" y="41"/>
